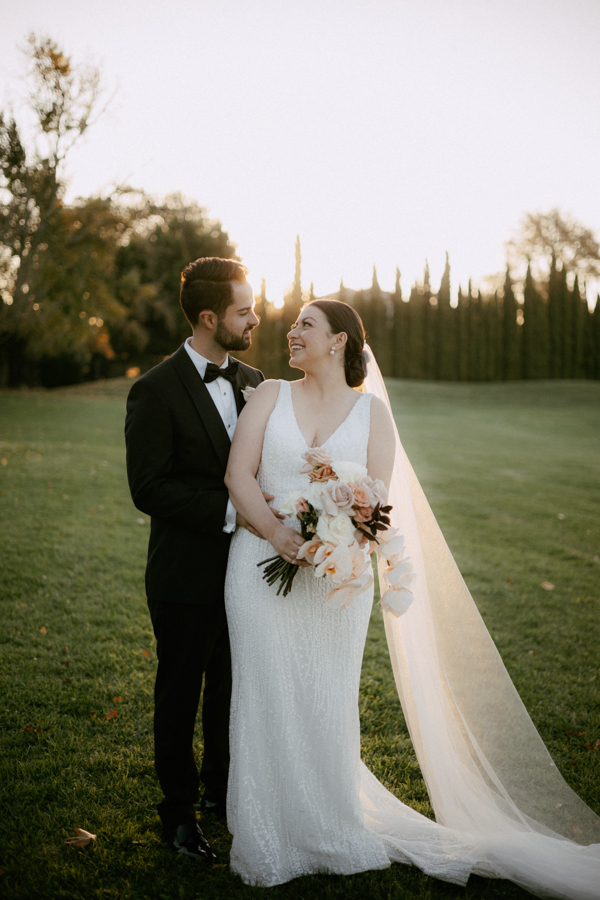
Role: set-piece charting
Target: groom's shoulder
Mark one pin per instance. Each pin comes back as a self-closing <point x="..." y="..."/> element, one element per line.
<point x="254" y="376"/>
<point x="159" y="376"/>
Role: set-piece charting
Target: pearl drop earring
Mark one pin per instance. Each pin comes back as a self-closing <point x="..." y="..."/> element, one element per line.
<point x="332" y="351"/>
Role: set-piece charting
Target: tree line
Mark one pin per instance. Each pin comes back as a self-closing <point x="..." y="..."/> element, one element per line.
<point x="550" y="333"/>
<point x="90" y="289"/>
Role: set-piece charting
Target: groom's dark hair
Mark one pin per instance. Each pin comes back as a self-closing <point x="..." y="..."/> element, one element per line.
<point x="206" y="284"/>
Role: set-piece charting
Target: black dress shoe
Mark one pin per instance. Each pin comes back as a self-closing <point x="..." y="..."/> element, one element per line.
<point x="190" y="841"/>
<point x="216" y="809"/>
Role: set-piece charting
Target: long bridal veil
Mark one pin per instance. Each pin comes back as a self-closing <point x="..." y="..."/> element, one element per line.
<point x="490" y="778"/>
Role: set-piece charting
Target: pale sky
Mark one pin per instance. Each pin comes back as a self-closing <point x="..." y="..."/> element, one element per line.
<point x="381" y="131"/>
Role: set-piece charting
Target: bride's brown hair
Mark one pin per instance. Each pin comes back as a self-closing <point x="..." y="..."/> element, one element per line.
<point x="342" y="317"/>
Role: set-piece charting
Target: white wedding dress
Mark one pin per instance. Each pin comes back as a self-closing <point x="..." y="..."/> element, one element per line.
<point x="300" y="801"/>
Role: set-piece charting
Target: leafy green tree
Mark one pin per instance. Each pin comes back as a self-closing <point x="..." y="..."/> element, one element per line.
<point x="542" y="236"/>
<point x="62" y="98"/>
<point x="165" y="237"/>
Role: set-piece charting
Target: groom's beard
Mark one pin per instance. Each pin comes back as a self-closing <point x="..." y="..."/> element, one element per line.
<point x="230" y="341"/>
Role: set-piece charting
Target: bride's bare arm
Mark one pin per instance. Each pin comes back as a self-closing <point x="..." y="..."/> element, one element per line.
<point x="382" y="442"/>
<point x="244" y="460"/>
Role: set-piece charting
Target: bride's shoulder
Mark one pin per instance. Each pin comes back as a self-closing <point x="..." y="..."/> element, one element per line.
<point x="265" y="395"/>
<point x="381" y="420"/>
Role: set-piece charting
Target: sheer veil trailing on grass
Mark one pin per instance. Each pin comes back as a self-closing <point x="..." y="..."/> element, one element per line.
<point x="492" y="783"/>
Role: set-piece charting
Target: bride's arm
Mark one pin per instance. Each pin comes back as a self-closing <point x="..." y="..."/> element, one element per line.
<point x="244" y="460"/>
<point x="382" y="443"/>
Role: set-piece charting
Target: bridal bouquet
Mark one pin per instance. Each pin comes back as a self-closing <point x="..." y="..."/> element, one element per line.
<point x="342" y="519"/>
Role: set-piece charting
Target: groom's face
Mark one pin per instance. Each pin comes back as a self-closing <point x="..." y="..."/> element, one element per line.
<point x="234" y="329"/>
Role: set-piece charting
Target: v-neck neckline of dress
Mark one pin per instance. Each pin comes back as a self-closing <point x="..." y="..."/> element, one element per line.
<point x="334" y="432"/>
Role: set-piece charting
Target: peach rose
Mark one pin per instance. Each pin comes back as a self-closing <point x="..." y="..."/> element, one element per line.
<point x="323" y="473"/>
<point x="362" y="495"/>
<point x="337" y="498"/>
<point x="301" y="507"/>
<point x="315" y="458"/>
<point x="363" y="513"/>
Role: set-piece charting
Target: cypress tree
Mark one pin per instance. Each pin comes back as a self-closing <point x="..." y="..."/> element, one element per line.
<point x="297" y="289"/>
<point x="362" y="306"/>
<point x="445" y="361"/>
<point x="342" y="293"/>
<point x="379" y="326"/>
<point x="490" y="328"/>
<point x="588" y="338"/>
<point x="511" y="362"/>
<point x="292" y="304"/>
<point x="568" y="301"/>
<point x="482" y="354"/>
<point x="415" y="310"/>
<point x="579" y="314"/>
<point x="429" y="320"/>
<point x="311" y="295"/>
<point x="535" y="331"/>
<point x="400" y="332"/>
<point x="473" y="335"/>
<point x="555" y="321"/>
<point x="462" y="337"/>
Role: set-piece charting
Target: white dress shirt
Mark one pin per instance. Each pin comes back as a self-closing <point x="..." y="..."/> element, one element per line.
<point x="221" y="391"/>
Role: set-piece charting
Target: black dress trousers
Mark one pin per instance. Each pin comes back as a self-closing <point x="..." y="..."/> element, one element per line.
<point x="192" y="644"/>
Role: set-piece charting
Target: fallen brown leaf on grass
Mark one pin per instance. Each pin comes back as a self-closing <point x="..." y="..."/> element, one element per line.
<point x="572" y="733"/>
<point x="31" y="730"/>
<point x="547" y="585"/>
<point x="43" y="630"/>
<point x="145" y="654"/>
<point x="83" y="838"/>
<point x="111" y="714"/>
<point x="117" y="699"/>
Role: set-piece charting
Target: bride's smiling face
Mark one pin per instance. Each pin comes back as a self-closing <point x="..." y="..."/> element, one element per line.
<point x="310" y="338"/>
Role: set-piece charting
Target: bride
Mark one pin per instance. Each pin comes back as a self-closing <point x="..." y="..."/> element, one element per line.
<point x="300" y="801"/>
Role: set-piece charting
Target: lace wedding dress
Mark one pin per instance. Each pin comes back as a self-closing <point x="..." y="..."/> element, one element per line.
<point x="300" y="801"/>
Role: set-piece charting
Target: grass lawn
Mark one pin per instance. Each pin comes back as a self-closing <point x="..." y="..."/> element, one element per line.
<point x="512" y="472"/>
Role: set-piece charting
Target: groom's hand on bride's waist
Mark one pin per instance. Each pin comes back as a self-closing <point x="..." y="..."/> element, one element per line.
<point x="245" y="524"/>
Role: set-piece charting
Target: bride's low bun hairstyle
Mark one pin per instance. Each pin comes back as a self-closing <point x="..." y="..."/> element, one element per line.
<point x="342" y="317"/>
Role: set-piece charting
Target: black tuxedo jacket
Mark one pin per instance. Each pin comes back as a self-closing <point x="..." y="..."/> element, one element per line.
<point x="177" y="451"/>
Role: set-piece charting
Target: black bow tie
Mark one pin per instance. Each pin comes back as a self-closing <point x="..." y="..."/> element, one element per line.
<point x="229" y="372"/>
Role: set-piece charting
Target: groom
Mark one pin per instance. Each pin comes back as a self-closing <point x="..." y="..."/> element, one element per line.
<point x="181" y="417"/>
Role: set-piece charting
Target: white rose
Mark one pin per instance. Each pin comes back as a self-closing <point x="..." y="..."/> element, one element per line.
<point x="288" y="507"/>
<point x="336" y="530"/>
<point x="313" y="495"/>
<point x="350" y="471"/>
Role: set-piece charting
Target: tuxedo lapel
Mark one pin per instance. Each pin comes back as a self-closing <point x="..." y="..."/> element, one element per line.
<point x="203" y="402"/>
